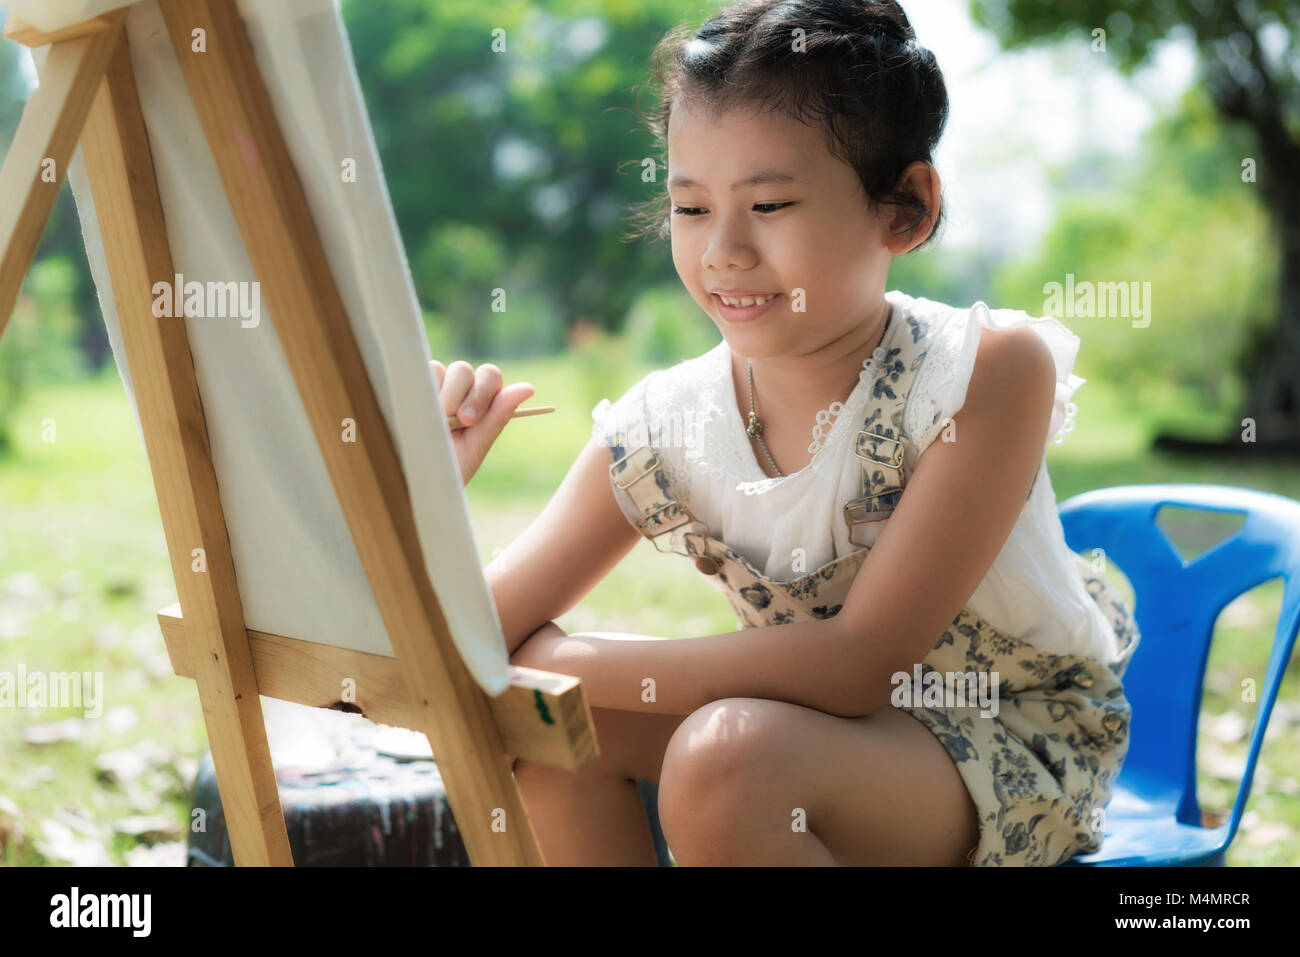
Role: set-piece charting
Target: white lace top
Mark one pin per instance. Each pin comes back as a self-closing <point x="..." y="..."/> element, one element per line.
<point x="689" y="412"/>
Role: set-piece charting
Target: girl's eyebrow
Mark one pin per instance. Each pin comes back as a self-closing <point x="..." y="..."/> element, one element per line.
<point x="762" y="177"/>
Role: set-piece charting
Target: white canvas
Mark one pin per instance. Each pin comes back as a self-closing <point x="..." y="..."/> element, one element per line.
<point x="296" y="565"/>
<point x="50" y="15"/>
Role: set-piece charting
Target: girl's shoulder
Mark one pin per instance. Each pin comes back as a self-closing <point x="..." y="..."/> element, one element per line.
<point x="665" y="407"/>
<point x="952" y="337"/>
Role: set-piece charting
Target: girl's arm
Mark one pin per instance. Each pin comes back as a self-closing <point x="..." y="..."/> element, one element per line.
<point x="953" y="518"/>
<point x="800" y="662"/>
<point x="579" y="536"/>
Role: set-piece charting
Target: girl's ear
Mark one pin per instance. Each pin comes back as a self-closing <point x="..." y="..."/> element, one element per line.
<point x="921" y="179"/>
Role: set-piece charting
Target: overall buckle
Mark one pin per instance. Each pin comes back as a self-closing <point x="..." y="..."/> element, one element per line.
<point x="864" y="450"/>
<point x="653" y="464"/>
<point x="688" y="518"/>
<point x="870" y="508"/>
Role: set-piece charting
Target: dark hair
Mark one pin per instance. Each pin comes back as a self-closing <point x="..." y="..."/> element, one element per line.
<point x="856" y="70"/>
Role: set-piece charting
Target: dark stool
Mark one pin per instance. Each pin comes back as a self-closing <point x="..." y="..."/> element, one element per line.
<point x="377" y="811"/>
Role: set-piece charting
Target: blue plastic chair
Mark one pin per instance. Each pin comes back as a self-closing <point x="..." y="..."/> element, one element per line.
<point x="1153" y="818"/>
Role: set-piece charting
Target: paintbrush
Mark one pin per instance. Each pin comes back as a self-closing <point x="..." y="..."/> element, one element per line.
<point x="454" y="422"/>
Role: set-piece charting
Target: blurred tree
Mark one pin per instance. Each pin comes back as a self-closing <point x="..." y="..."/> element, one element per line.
<point x="666" y="326"/>
<point x="1250" y="67"/>
<point x="1200" y="242"/>
<point x="513" y="169"/>
<point x="40" y="340"/>
<point x="62" y="235"/>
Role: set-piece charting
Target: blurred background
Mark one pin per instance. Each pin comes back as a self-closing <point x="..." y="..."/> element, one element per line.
<point x="1166" y="154"/>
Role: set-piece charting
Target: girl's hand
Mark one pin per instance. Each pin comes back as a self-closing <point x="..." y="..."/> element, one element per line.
<point x="476" y="397"/>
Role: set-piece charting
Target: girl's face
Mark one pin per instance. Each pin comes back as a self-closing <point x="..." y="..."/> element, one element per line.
<point x="760" y="207"/>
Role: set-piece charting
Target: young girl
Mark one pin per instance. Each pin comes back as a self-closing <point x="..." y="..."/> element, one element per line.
<point x="916" y="534"/>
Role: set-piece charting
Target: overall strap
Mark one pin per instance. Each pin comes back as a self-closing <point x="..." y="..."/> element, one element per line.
<point x="639" y="475"/>
<point x="879" y="443"/>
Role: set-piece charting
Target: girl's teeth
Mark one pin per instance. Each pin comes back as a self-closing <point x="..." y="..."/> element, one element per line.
<point x="747" y="301"/>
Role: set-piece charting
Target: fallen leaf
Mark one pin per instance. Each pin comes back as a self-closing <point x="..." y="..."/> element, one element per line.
<point x="149" y="829"/>
<point x="120" y="718"/>
<point x="58" y="843"/>
<point x="77" y="821"/>
<point x="112" y="767"/>
<point x="22" y="585"/>
<point x="1226" y="728"/>
<point x="69" y="729"/>
<point x="1216" y="762"/>
<point x="171" y="854"/>
<point x="1270" y="832"/>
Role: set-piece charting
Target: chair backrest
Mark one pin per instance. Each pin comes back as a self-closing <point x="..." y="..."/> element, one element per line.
<point x="1177" y="604"/>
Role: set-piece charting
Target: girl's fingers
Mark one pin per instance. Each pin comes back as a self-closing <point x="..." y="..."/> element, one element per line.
<point x="476" y="395"/>
<point x="505" y="403"/>
<point x="489" y="425"/>
<point x="456" y="385"/>
<point x="487" y="383"/>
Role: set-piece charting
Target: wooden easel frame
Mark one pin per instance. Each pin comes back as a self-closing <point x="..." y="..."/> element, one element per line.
<point x="88" y="91"/>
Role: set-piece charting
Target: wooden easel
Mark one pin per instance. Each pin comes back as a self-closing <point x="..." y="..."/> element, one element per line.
<point x="88" y="93"/>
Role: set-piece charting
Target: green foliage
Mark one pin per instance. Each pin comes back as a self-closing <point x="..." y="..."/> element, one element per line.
<point x="1132" y="31"/>
<point x="1183" y="221"/>
<point x="459" y="267"/>
<point x="442" y="339"/>
<point x="665" y="326"/>
<point x="40" y="340"/>
<point x="456" y="254"/>
<point x="509" y="168"/>
<point x="61" y="238"/>
<point x="602" y="364"/>
<point x="942" y="274"/>
<point x="527" y="326"/>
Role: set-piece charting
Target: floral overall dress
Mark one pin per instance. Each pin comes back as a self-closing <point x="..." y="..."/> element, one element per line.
<point x="1041" y="770"/>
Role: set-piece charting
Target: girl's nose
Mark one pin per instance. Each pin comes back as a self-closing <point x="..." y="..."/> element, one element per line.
<point x="728" y="247"/>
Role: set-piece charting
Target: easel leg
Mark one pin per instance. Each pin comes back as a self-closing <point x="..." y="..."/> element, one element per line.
<point x="121" y="173"/>
<point x="43" y="144"/>
<point x="312" y="326"/>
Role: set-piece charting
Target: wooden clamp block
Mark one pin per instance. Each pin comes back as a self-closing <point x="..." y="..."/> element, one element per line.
<point x="542" y="716"/>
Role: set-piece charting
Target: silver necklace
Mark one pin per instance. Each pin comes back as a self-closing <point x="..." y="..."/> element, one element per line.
<point x="755" y="428"/>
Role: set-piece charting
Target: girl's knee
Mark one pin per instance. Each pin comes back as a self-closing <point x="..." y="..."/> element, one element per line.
<point x="725" y="739"/>
<point x="716" y="754"/>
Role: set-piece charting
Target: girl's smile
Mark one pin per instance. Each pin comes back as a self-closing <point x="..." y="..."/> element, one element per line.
<point x="731" y="308"/>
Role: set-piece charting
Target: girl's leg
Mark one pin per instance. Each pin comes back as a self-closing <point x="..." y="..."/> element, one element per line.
<point x="595" y="815"/>
<point x="755" y="781"/>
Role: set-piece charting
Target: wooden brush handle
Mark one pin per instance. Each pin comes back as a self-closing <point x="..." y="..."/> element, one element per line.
<point x="454" y="422"/>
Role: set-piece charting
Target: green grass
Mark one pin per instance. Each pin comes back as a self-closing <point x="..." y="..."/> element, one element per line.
<point x="84" y="569"/>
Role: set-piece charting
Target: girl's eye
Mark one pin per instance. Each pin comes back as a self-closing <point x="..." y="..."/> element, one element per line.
<point x="764" y="208"/>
